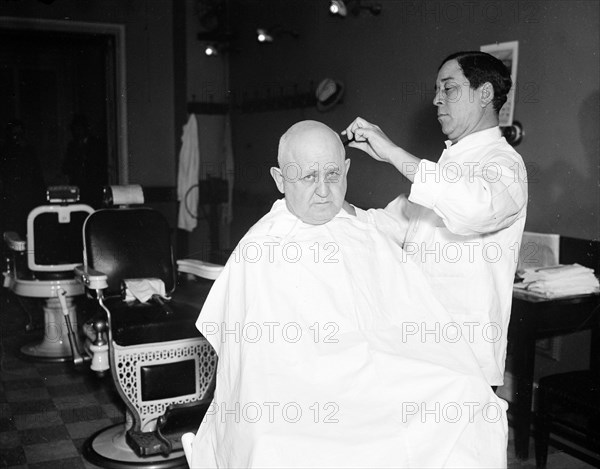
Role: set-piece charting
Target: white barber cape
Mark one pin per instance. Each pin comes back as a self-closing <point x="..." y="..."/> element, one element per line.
<point x="333" y="352"/>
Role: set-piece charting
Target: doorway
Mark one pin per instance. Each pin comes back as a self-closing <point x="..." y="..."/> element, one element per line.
<point x="53" y="71"/>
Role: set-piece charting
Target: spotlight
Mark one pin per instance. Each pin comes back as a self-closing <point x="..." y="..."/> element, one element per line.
<point x="262" y="35"/>
<point x="338" y="7"/>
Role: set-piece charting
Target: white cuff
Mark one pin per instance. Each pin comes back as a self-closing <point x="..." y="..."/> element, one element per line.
<point x="426" y="188"/>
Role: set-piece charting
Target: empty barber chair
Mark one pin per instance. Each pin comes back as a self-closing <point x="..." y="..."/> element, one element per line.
<point x="162" y="367"/>
<point x="41" y="267"/>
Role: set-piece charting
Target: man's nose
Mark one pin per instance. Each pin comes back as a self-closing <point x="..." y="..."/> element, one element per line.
<point x="437" y="98"/>
<point x="322" y="189"/>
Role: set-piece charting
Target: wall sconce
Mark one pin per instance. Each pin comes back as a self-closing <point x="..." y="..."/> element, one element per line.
<point x="340" y="7"/>
<point x="264" y="35"/>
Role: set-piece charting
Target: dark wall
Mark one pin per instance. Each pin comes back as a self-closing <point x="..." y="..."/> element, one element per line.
<point x="46" y="78"/>
<point x="388" y="64"/>
<point x="149" y="67"/>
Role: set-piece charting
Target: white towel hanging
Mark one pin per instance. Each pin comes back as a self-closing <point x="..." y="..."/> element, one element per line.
<point x="187" y="176"/>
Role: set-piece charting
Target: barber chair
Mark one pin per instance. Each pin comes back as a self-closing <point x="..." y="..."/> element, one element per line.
<point x="41" y="267"/>
<point x="162" y="367"/>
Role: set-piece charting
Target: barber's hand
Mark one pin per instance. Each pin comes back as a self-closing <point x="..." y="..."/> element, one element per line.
<point x="370" y="139"/>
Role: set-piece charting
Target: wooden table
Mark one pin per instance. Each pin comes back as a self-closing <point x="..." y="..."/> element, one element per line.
<point x="534" y="318"/>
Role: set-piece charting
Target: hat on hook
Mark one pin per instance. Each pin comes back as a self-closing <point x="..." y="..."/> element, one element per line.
<point x="329" y="92"/>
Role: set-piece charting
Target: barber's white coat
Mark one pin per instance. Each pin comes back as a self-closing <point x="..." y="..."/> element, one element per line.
<point x="333" y="352"/>
<point x="462" y="224"/>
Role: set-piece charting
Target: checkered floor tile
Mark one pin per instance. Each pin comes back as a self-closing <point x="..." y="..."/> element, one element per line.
<point x="47" y="410"/>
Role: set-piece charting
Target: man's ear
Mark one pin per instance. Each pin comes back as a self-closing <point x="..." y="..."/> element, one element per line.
<point x="487" y="93"/>
<point x="278" y="178"/>
<point x="347" y="163"/>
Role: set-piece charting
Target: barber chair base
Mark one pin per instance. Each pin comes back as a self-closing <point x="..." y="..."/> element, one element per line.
<point x="108" y="449"/>
<point x="55" y="346"/>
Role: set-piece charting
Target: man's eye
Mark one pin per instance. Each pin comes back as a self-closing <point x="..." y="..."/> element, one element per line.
<point x="333" y="177"/>
<point x="309" y="177"/>
<point x="451" y="91"/>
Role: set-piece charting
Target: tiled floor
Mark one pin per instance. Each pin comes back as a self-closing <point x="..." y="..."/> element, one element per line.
<point x="48" y="410"/>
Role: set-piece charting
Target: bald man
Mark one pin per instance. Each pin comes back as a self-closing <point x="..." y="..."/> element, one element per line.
<point x="312" y="172"/>
<point x="332" y="350"/>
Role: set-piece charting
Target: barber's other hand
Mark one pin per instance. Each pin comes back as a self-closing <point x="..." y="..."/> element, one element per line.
<point x="370" y="139"/>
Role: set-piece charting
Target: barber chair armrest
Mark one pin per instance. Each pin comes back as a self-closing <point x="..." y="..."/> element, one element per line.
<point x="15" y="242"/>
<point x="91" y="278"/>
<point x="199" y="268"/>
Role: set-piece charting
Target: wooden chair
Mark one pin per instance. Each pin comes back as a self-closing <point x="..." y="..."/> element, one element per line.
<point x="569" y="403"/>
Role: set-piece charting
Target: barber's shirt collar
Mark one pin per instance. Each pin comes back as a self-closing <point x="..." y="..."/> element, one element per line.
<point x="475" y="139"/>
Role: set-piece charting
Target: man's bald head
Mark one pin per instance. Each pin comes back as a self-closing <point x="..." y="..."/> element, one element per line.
<point x="312" y="171"/>
<point x="302" y="132"/>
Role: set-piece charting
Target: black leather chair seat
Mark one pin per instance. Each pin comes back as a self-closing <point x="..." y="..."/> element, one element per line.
<point x="150" y="322"/>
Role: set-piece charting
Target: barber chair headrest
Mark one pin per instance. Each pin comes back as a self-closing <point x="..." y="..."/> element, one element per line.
<point x="62" y="194"/>
<point x="131" y="194"/>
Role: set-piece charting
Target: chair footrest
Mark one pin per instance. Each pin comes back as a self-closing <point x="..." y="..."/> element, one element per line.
<point x="177" y="420"/>
<point x="149" y="444"/>
<point x="183" y="418"/>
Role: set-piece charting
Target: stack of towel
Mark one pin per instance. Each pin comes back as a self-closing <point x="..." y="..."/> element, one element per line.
<point x="559" y="281"/>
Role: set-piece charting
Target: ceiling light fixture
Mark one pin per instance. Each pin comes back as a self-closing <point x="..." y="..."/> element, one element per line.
<point x="338" y="7"/>
<point x="264" y="35"/>
<point x="216" y="43"/>
<point x="211" y="50"/>
<point x="341" y="8"/>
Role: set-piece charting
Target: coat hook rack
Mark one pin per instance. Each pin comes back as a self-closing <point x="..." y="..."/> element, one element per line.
<point x="269" y="100"/>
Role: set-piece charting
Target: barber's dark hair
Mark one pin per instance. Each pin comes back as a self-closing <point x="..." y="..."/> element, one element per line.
<point x="481" y="67"/>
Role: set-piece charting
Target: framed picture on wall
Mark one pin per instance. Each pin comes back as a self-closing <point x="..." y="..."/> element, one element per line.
<point x="508" y="53"/>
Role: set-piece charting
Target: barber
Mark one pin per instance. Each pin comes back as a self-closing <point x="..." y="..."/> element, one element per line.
<point x="464" y="217"/>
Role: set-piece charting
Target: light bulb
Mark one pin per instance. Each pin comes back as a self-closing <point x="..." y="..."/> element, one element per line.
<point x="263" y="36"/>
<point x="338" y="7"/>
<point x="211" y="50"/>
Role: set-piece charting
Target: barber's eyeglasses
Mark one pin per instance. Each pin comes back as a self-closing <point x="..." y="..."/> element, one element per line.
<point x="449" y="92"/>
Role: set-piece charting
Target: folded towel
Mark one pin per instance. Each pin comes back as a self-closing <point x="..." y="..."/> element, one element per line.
<point x="142" y="289"/>
<point x="560" y="281"/>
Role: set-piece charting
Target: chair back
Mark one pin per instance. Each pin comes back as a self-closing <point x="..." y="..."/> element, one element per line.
<point x="54" y="242"/>
<point x="128" y="243"/>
